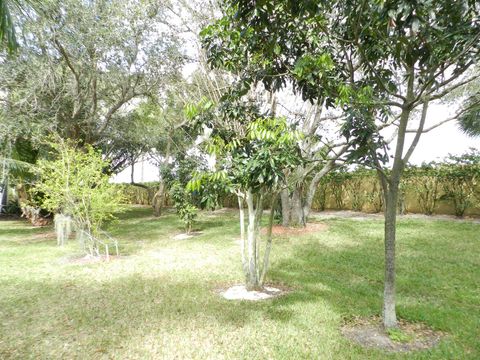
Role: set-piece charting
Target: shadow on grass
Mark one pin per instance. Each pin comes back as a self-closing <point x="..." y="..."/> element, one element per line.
<point x="344" y="275"/>
<point x="116" y="310"/>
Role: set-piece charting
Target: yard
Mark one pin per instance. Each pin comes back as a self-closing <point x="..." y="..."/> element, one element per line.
<point x="161" y="299"/>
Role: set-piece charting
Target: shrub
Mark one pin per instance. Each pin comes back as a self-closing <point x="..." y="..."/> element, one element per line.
<point x="355" y="190"/>
<point x="375" y="195"/>
<point x="424" y="182"/>
<point x="73" y="183"/>
<point x="461" y="176"/>
<point x="183" y="204"/>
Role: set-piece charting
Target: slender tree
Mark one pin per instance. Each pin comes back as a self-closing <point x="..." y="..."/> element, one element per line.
<point x="253" y="153"/>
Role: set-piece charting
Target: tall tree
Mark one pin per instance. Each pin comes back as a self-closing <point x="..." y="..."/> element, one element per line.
<point x="381" y="62"/>
<point x="82" y="64"/>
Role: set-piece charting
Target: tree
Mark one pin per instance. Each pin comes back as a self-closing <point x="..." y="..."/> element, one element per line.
<point x="322" y="154"/>
<point x="381" y="62"/>
<point x="73" y="183"/>
<point x="82" y="65"/>
<point x="253" y="152"/>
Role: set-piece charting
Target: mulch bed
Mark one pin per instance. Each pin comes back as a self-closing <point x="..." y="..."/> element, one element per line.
<point x="310" y="228"/>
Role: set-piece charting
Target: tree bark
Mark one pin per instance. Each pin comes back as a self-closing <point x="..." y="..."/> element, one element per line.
<point x="4" y="197"/>
<point x="253" y="282"/>
<point x="241" y="206"/>
<point x="159" y="197"/>
<point x="266" y="258"/>
<point x="297" y="206"/>
<point x="389" y="312"/>
<point x="297" y="215"/>
<point x="285" y="203"/>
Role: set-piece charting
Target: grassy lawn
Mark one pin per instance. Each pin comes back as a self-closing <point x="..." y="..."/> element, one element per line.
<point x="160" y="300"/>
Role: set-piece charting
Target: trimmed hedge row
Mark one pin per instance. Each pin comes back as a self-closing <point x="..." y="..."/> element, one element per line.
<point x="434" y="188"/>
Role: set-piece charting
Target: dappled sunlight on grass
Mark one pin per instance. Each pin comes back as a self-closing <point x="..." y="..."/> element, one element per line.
<point x="160" y="298"/>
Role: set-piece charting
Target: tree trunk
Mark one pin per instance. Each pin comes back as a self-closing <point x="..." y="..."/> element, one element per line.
<point x="297" y="216"/>
<point x="292" y="208"/>
<point x="266" y="258"/>
<point x="297" y="206"/>
<point x="253" y="282"/>
<point x="389" y="312"/>
<point x="4" y="195"/>
<point x="254" y="266"/>
<point x="286" y="208"/>
<point x="159" y="199"/>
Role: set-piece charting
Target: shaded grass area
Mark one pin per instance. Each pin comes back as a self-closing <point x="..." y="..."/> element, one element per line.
<point x="160" y="299"/>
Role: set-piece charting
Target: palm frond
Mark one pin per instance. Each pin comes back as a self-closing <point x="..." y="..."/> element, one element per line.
<point x="469" y="122"/>
<point x="7" y="28"/>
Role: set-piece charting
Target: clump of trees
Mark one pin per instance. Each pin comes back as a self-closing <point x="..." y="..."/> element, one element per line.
<point x="379" y="63"/>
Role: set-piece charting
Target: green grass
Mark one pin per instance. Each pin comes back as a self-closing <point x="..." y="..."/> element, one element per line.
<point x="160" y="300"/>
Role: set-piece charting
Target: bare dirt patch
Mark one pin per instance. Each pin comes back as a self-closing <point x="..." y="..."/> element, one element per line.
<point x="408" y="337"/>
<point x="184" y="236"/>
<point x="240" y="292"/>
<point x="89" y="259"/>
<point x="310" y="228"/>
<point x="45" y="236"/>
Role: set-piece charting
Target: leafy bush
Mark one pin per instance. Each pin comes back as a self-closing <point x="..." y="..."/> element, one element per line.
<point x="338" y="186"/>
<point x="424" y="182"/>
<point x="374" y="195"/>
<point x="73" y="183"/>
<point x="355" y="190"/>
<point x="183" y="205"/>
<point x="461" y="177"/>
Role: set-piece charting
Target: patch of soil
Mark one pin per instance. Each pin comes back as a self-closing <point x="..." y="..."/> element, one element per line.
<point x="370" y="333"/>
<point x="89" y="259"/>
<point x="240" y="292"/>
<point x="45" y="236"/>
<point x="184" y="236"/>
<point x="310" y="228"/>
<point x="357" y="215"/>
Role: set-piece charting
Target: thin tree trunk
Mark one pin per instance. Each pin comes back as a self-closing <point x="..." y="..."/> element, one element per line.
<point x="252" y="279"/>
<point x="258" y="218"/>
<point x="312" y="188"/>
<point x="389" y="312"/>
<point x="266" y="258"/>
<point x="159" y="197"/>
<point x="241" y="206"/>
<point x="286" y="207"/>
<point x="4" y="197"/>
<point x="252" y="283"/>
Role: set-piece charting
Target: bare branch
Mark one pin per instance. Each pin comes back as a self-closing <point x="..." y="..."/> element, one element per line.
<point x="418" y="133"/>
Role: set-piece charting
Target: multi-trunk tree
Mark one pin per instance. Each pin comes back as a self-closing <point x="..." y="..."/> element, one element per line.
<point x="380" y="62"/>
<point x="253" y="153"/>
